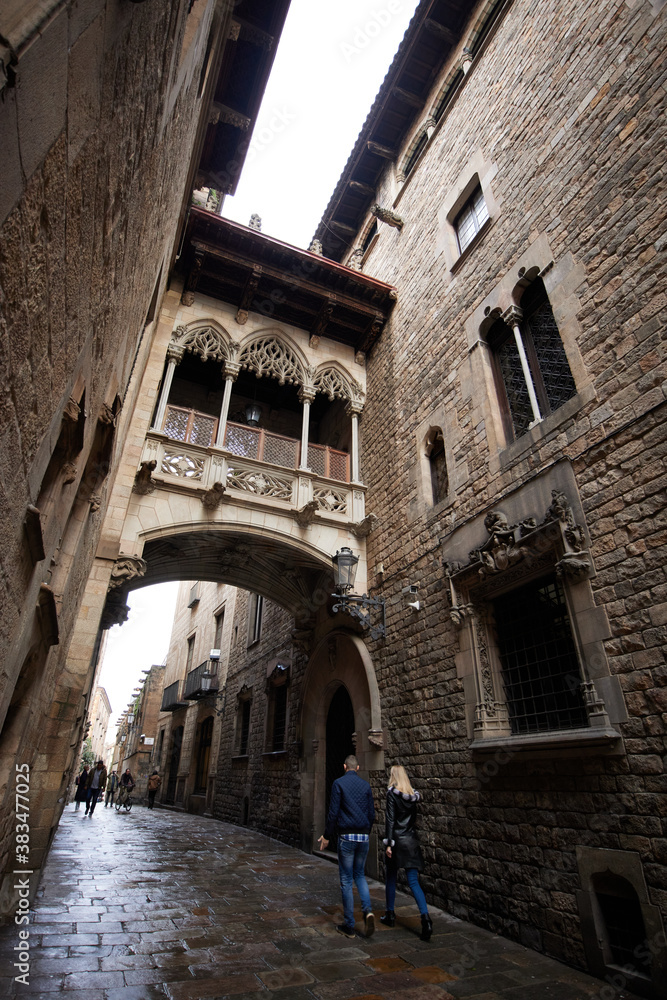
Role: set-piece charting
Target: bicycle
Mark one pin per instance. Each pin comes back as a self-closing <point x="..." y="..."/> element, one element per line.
<point x="124" y="800"/>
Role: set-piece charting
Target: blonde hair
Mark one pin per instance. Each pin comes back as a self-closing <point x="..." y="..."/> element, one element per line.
<point x="398" y="778"/>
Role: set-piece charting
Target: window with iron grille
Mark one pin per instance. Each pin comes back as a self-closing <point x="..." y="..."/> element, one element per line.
<point x="540" y="668"/>
<point x="279" y="712"/>
<point x="548" y="371"/>
<point x="277" y="685"/>
<point x="244" y="725"/>
<point x="470" y="219"/>
<point x="203" y="755"/>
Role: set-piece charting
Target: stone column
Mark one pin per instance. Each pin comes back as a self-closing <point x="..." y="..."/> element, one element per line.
<point x="353" y="409"/>
<point x="306" y="395"/>
<point x="174" y="356"/>
<point x="232" y="370"/>
<point x="512" y="317"/>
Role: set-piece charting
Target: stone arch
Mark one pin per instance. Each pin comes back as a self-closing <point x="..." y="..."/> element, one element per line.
<point x="271" y="354"/>
<point x="335" y="382"/>
<point x="339" y="659"/>
<point x="205" y="337"/>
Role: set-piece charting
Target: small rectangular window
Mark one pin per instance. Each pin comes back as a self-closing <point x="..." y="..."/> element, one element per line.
<point x="190" y="653"/>
<point x="470" y="219"/>
<point x="219" y="624"/>
<point x="244" y="727"/>
<point x="255" y="610"/>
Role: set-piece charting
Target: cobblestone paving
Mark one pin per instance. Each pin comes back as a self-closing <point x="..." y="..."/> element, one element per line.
<point x="163" y="904"/>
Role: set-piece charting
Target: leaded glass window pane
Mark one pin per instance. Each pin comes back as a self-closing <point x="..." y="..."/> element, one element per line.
<point x="471" y="219"/>
<point x="539" y="662"/>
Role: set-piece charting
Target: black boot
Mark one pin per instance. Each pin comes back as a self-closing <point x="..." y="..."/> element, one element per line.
<point x="389" y="919"/>
<point x="427" y="927"/>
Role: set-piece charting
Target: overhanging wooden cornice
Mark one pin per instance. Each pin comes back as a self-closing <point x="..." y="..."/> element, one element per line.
<point x="436" y="28"/>
<point x="258" y="273"/>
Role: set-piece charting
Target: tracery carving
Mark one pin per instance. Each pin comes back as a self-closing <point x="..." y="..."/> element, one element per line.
<point x="261" y="483"/>
<point x="316" y="247"/>
<point x="182" y="465"/>
<point x="333" y="501"/>
<point x="205" y="341"/>
<point x="270" y="357"/>
<point x="333" y="384"/>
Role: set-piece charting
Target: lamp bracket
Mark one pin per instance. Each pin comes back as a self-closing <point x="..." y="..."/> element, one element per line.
<point x="356" y="607"/>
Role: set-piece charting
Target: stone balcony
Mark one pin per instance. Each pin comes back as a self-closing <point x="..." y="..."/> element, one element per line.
<point x="184" y="463"/>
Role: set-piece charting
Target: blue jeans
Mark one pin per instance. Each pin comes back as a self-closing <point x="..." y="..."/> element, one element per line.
<point x="412" y="876"/>
<point x="351" y="862"/>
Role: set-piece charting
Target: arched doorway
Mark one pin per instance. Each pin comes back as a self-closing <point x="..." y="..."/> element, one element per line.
<point x="340" y="715"/>
<point x="339" y="741"/>
<point x="174" y="761"/>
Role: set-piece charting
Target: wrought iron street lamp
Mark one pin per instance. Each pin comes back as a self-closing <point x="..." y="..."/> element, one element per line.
<point x="358" y="607"/>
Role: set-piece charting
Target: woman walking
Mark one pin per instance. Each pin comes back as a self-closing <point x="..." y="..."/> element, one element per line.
<point x="402" y="846"/>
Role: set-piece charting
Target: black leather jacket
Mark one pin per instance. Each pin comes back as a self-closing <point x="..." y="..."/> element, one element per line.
<point x="400" y="829"/>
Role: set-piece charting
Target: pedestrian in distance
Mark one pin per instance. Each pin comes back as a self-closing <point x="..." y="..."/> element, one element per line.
<point x="402" y="847"/>
<point x="112" y="788"/>
<point x="127" y="783"/>
<point x="154" y="783"/>
<point x="351" y="816"/>
<point x="81" y="781"/>
<point x="97" y="780"/>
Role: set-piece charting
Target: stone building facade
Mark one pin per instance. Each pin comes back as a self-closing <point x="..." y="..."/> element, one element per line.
<point x="521" y="212"/>
<point x="100" y="712"/>
<point x="110" y="114"/>
<point x="137" y="733"/>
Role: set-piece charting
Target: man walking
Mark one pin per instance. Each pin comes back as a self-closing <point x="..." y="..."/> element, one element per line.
<point x="112" y="786"/>
<point x="352" y="814"/>
<point x="97" y="779"/>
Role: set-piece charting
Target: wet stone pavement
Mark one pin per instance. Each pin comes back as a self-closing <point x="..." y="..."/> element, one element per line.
<point x="164" y="904"/>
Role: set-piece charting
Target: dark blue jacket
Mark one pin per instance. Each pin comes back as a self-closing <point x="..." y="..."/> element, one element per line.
<point x="351" y="809"/>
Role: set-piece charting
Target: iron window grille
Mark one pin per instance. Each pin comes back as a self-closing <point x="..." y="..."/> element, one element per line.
<point x="533" y="376"/>
<point x="244" y="711"/>
<point x="540" y="669"/>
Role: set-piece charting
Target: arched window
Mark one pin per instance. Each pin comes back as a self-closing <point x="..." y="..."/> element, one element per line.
<point x="536" y="384"/>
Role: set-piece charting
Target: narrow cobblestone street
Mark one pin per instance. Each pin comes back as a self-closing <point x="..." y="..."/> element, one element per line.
<point x="165" y="904"/>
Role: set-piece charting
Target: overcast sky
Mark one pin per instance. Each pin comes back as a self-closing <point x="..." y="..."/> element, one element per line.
<point x="331" y="60"/>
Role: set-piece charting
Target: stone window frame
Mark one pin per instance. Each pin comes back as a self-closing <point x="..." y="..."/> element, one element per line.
<point x="441" y="418"/>
<point x="478" y="173"/>
<point x="561" y="279"/>
<point x="243" y="698"/>
<point x="278" y="678"/>
<point x="509" y="556"/>
<point x="592" y="861"/>
<point x="255" y="618"/>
